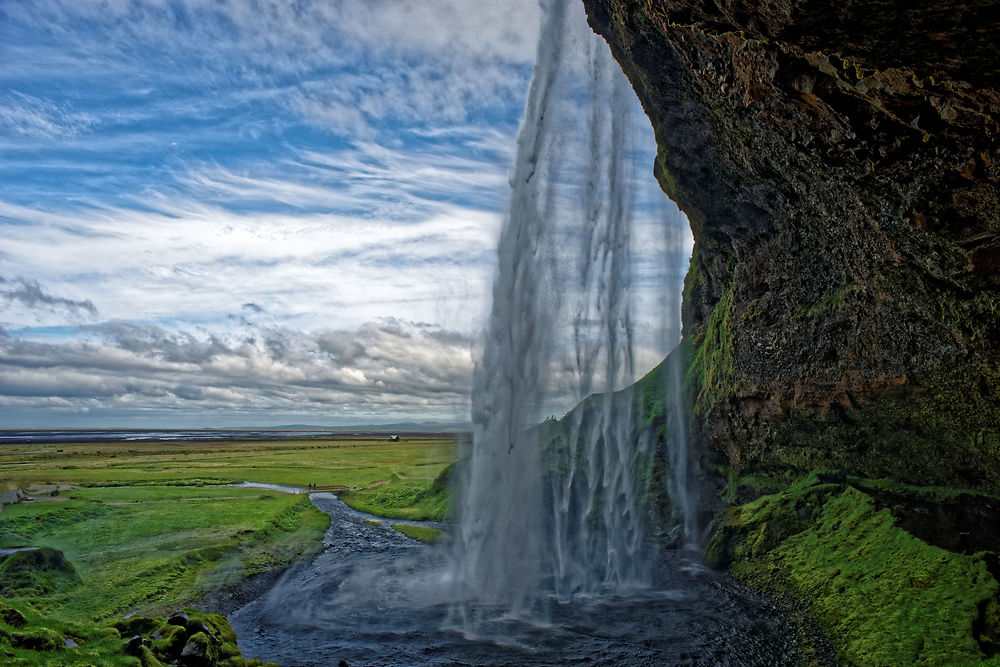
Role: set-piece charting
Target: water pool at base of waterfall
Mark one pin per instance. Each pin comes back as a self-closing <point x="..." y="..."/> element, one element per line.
<point x="374" y="597"/>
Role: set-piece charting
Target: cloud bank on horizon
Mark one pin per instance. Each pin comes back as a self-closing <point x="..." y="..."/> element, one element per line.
<point x="219" y="213"/>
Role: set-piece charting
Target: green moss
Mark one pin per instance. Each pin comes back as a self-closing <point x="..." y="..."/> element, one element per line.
<point x="884" y="596"/>
<point x="831" y="301"/>
<point x="887" y="597"/>
<point x="171" y="641"/>
<point x="148" y="658"/>
<point x="199" y="645"/>
<point x="711" y="374"/>
<point x="37" y="639"/>
<point x="40" y="640"/>
<point x="694" y="280"/>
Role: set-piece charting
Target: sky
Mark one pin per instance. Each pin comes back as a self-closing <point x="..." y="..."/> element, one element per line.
<point x="243" y="213"/>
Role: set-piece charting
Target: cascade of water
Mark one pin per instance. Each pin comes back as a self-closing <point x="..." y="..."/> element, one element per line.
<point x="682" y="486"/>
<point x="555" y="509"/>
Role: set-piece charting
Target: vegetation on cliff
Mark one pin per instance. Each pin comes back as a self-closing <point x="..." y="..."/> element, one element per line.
<point x="842" y="193"/>
<point x="886" y="596"/>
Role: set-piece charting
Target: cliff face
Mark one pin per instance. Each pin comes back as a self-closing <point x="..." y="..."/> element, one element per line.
<point x="840" y="166"/>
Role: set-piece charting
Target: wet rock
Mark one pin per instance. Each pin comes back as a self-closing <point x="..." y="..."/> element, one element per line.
<point x="179" y="617"/>
<point x="132" y="644"/>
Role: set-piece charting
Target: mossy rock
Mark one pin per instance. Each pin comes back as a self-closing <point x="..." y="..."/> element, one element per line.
<point x="169" y="640"/>
<point x="199" y="651"/>
<point x="36" y="572"/>
<point x="137" y="625"/>
<point x="189" y="637"/>
<point x="37" y="639"/>
<point x="11" y="616"/>
<point x="147" y="657"/>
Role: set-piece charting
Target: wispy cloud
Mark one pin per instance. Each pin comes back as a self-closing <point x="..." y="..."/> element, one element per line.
<point x="38" y="118"/>
<point x="280" y="208"/>
<point x="31" y="294"/>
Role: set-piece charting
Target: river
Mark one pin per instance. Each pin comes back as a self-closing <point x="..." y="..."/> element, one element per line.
<point x="375" y="597"/>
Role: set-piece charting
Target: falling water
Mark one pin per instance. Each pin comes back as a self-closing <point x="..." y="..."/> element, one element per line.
<point x="557" y="509"/>
<point x="682" y="486"/>
<point x="550" y="562"/>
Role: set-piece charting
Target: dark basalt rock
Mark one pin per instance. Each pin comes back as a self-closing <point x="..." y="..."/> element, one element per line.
<point x="840" y="167"/>
<point x="132" y="645"/>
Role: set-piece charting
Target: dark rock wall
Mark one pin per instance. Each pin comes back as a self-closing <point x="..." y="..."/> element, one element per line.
<point x="840" y="166"/>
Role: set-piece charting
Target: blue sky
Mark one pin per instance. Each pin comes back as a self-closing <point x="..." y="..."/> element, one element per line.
<point x="239" y="213"/>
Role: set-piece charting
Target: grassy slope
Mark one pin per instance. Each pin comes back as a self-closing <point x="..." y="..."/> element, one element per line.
<point x="884" y="596"/>
<point x="171" y="542"/>
<point x="418" y="500"/>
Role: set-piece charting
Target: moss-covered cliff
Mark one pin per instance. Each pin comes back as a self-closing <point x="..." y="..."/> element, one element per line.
<point x="839" y="164"/>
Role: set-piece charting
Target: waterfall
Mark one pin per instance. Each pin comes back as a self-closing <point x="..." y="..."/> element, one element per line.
<point x="555" y="509"/>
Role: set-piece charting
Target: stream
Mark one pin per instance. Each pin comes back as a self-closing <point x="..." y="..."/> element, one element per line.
<point x="375" y="597"/>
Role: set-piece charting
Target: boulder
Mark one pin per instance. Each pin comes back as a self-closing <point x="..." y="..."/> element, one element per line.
<point x="198" y="651"/>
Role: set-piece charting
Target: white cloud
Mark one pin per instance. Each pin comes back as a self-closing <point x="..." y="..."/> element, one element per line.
<point x="330" y="163"/>
<point x="395" y="369"/>
<point x="39" y="118"/>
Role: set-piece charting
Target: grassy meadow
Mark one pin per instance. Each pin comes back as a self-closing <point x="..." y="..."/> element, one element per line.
<point x="144" y="531"/>
<point x="346" y="460"/>
<point x="414" y="499"/>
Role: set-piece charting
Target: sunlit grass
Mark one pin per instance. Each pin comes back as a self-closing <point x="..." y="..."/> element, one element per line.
<point x="420" y="533"/>
<point x="347" y="461"/>
<point x="145" y="533"/>
<point x="165" y="547"/>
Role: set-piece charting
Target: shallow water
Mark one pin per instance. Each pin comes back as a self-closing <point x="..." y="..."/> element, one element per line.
<point x="268" y="487"/>
<point x="12" y="550"/>
<point x="375" y="597"/>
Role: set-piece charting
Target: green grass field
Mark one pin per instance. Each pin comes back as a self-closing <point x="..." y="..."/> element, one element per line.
<point x="351" y="461"/>
<point x="143" y="533"/>
<point x="161" y="549"/>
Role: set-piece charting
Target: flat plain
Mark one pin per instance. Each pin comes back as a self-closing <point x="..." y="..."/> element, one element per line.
<point x="145" y="529"/>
